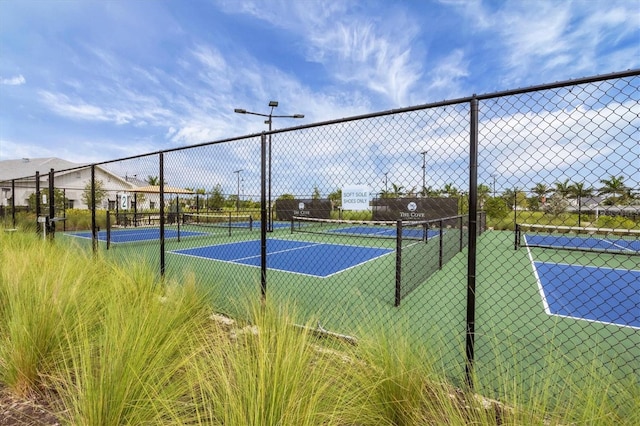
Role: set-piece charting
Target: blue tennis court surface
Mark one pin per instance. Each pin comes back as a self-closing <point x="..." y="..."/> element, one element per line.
<point x="301" y="257"/>
<point x="137" y="234"/>
<point x="631" y="246"/>
<point x="593" y="293"/>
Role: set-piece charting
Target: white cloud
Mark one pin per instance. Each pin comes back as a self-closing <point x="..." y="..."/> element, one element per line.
<point x="380" y="56"/>
<point x="539" y="40"/>
<point x="377" y="53"/>
<point x="587" y="142"/>
<point x="11" y="150"/>
<point x="62" y="105"/>
<point x="13" y="81"/>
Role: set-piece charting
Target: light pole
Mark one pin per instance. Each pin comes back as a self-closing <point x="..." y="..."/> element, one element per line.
<point x="237" y="172"/>
<point x="424" y="173"/>
<point x="494" y="185"/>
<point x="385" y="183"/>
<point x="269" y="121"/>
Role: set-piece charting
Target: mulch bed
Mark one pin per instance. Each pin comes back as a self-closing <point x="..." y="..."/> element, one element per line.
<point x="16" y="411"/>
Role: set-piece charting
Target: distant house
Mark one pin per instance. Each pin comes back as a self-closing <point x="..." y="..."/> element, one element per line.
<point x="596" y="206"/>
<point x="72" y="178"/>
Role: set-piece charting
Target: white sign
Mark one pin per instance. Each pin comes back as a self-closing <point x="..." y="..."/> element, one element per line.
<point x="355" y="197"/>
<point x="124" y="201"/>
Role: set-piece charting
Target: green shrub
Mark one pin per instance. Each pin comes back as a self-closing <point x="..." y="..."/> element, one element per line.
<point x="617" y="222"/>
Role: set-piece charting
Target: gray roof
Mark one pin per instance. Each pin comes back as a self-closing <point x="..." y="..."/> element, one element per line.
<point x="14" y="169"/>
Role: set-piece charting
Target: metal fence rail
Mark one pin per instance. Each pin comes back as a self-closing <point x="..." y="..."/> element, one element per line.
<point x="565" y="154"/>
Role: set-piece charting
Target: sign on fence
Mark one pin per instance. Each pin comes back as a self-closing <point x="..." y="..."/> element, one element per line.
<point x="355" y="197"/>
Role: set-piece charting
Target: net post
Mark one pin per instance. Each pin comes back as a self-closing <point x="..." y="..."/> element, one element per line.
<point x="13" y="203"/>
<point x="250" y="223"/>
<point x="516" y="243"/>
<point x="135" y="210"/>
<point x="398" y="293"/>
<point x="461" y="239"/>
<point x="38" y="214"/>
<point x="108" y="230"/>
<point x="52" y="205"/>
<point x="230" y="223"/>
<point x="441" y="244"/>
<point x="64" y="210"/>
<point x="178" y="215"/>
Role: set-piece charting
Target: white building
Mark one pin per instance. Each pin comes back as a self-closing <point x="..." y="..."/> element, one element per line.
<point x="20" y="174"/>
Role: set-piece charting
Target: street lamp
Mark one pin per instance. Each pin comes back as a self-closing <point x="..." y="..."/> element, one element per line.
<point x="238" y="199"/>
<point x="494" y="185"/>
<point x="269" y="121"/>
<point x="424" y="173"/>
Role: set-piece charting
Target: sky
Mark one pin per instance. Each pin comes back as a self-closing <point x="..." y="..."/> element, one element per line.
<point x="89" y="81"/>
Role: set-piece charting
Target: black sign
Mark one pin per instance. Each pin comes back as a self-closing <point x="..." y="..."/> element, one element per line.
<point x="414" y="208"/>
<point x="286" y="209"/>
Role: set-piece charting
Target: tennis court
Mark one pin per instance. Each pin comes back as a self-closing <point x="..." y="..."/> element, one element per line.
<point x="133" y="235"/>
<point x="605" y="293"/>
<point x="299" y="257"/>
<point x="386" y="232"/>
<point x="585" y="243"/>
<point x="419" y="230"/>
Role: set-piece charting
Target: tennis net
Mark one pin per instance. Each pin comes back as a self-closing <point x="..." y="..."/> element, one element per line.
<point x="608" y="240"/>
<point x="422" y="247"/>
<point x="229" y="220"/>
<point x="355" y="228"/>
<point x="417" y="261"/>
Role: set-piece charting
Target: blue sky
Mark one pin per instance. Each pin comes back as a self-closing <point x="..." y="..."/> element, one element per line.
<point x="95" y="80"/>
<point x="89" y="81"/>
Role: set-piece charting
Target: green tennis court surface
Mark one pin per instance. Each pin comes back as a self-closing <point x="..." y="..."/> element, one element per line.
<point x="514" y="327"/>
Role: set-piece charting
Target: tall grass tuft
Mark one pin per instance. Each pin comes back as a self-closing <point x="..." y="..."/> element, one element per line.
<point x="396" y="383"/>
<point x="41" y="295"/>
<point x="548" y="390"/>
<point x="126" y="364"/>
<point x="268" y="374"/>
<point x="116" y="344"/>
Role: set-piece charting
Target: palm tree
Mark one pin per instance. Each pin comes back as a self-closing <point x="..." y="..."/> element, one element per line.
<point x="153" y="180"/>
<point x="616" y="187"/>
<point x="579" y="191"/>
<point x="386" y="194"/>
<point x="541" y="190"/>
<point x="515" y="197"/>
<point x="450" y="191"/>
<point x="428" y="191"/>
<point x="397" y="191"/>
<point x="563" y="188"/>
<point x="483" y="194"/>
<point x="411" y="192"/>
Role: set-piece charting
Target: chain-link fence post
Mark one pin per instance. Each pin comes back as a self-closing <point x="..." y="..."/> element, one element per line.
<point x="473" y="235"/>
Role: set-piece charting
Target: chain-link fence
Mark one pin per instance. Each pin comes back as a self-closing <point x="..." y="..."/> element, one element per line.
<point x="504" y="228"/>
